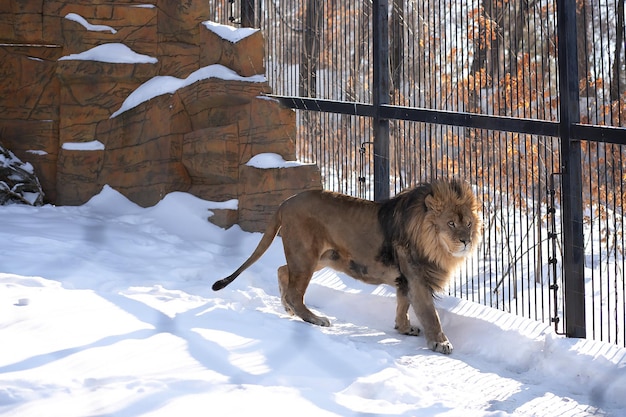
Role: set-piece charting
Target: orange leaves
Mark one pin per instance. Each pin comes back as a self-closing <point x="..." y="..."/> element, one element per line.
<point x="588" y="85"/>
<point x="479" y="80"/>
<point x="614" y="113"/>
<point x="485" y="29"/>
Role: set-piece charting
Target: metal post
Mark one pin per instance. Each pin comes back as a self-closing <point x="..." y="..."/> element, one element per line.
<point x="247" y="13"/>
<point x="380" y="90"/>
<point x="572" y="209"/>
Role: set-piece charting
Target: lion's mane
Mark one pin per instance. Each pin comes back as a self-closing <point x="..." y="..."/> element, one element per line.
<point x="408" y="221"/>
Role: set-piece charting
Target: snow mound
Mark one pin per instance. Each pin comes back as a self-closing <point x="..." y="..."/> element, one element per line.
<point x="114" y="53"/>
<point x="271" y="160"/>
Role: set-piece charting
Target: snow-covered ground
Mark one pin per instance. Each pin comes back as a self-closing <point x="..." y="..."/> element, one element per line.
<point x="106" y="309"/>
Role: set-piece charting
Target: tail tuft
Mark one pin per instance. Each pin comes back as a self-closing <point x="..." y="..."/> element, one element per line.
<point x="218" y="285"/>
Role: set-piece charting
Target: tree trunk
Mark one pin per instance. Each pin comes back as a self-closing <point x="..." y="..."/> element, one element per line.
<point x="396" y="44"/>
<point x="309" y="61"/>
<point x="583" y="20"/>
<point x="487" y="45"/>
<point x="619" y="47"/>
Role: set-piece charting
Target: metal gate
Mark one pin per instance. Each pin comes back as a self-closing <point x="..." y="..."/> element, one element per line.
<point x="526" y="100"/>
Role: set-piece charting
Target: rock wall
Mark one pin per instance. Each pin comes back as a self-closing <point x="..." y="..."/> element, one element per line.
<point x="78" y="120"/>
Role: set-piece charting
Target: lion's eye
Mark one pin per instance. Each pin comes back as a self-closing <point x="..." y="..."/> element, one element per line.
<point x="469" y="225"/>
<point x="451" y="224"/>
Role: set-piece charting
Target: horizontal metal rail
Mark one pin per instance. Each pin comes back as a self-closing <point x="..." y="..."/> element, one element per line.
<point x="596" y="133"/>
<point x="593" y="133"/>
<point x="473" y="120"/>
<point x="326" y="106"/>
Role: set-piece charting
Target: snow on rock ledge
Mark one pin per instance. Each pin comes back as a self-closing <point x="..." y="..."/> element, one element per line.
<point x="112" y="53"/>
<point x="94" y="145"/>
<point x="164" y="84"/>
<point x="271" y="160"/>
<point x="94" y="28"/>
<point x="266" y="180"/>
<point x="241" y="50"/>
<point x="229" y="33"/>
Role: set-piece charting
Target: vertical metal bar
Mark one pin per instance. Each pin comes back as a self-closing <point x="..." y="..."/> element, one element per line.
<point x="573" y="251"/>
<point x="380" y="89"/>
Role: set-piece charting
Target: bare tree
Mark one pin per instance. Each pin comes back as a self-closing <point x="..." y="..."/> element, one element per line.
<point x="619" y="47"/>
<point x="309" y="62"/>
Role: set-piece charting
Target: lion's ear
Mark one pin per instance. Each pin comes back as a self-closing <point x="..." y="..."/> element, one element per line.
<point x="473" y="203"/>
<point x="433" y="203"/>
<point x="477" y="207"/>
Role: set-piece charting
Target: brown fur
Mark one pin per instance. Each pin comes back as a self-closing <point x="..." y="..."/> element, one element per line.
<point x="413" y="241"/>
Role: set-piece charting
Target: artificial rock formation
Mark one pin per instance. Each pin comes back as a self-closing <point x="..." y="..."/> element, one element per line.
<point x="78" y="120"/>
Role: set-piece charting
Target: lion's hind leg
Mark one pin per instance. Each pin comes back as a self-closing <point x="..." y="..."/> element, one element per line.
<point x="292" y="288"/>
<point x="283" y="284"/>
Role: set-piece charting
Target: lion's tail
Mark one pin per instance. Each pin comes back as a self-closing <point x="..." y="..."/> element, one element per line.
<point x="266" y="241"/>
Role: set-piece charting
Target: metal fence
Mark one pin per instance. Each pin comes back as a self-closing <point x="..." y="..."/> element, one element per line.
<point x="526" y="100"/>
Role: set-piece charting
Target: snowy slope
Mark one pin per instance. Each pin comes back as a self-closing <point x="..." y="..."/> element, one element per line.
<point x="106" y="309"/>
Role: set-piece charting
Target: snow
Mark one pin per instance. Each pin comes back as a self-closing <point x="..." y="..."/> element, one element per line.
<point x="114" y="53"/>
<point x="166" y="84"/>
<point x="94" y="28"/>
<point x="229" y="33"/>
<point x="106" y="309"/>
<point x="18" y="182"/>
<point x="94" y="145"/>
<point x="275" y="100"/>
<point x="271" y="160"/>
<point x="37" y="152"/>
<point x="11" y="160"/>
<point x="224" y="205"/>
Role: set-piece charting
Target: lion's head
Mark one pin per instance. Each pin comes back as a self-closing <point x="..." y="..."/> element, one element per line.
<point x="446" y="226"/>
<point x="453" y="211"/>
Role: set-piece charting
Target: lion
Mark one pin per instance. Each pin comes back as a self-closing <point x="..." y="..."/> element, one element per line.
<point x="413" y="241"/>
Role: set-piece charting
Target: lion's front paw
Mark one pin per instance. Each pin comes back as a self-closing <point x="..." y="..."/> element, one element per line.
<point x="441" y="347"/>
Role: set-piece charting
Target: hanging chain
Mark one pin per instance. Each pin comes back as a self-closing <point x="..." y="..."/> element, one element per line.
<point x="552" y="257"/>
<point x="231" y="17"/>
